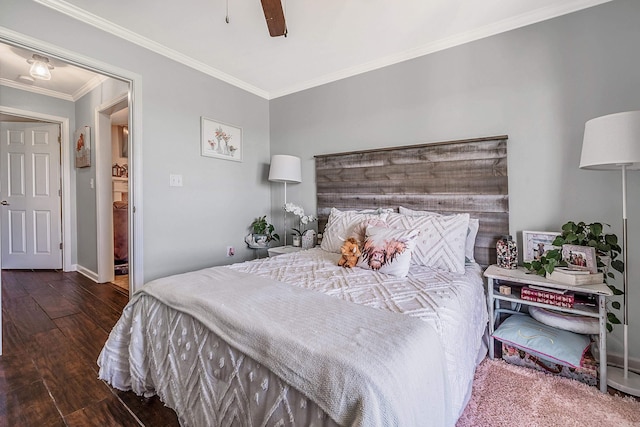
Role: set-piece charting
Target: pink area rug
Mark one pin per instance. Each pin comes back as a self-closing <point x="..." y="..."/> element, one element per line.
<point x="508" y="395"/>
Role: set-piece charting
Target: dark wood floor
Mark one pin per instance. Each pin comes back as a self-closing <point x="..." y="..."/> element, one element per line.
<point x="54" y="326"/>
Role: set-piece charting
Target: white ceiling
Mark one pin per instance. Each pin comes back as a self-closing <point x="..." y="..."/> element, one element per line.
<point x="328" y="39"/>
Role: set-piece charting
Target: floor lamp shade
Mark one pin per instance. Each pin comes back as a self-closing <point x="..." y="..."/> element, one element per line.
<point x="285" y="168"/>
<point x="613" y="142"/>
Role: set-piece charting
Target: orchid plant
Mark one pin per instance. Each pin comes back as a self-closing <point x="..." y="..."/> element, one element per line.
<point x="302" y="218"/>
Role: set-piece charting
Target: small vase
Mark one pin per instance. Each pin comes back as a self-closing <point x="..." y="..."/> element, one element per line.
<point x="308" y="239"/>
<point x="296" y="241"/>
<point x="507" y="253"/>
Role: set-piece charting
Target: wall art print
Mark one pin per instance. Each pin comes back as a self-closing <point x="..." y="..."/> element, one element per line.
<point x="221" y="140"/>
<point x="82" y="147"/>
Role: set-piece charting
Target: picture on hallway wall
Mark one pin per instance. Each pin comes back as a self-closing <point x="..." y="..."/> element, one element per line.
<point x="82" y="137"/>
<point x="220" y="140"/>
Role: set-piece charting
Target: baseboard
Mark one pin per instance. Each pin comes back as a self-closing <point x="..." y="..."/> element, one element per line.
<point x="615" y="359"/>
<point x="86" y="272"/>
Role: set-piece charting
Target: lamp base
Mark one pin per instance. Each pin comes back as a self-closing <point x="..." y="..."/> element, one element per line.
<point x="629" y="385"/>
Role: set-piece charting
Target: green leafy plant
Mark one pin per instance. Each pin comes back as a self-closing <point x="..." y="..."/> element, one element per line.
<point x="260" y="226"/>
<point x="583" y="234"/>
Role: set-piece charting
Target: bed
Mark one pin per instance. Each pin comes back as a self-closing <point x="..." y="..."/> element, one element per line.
<point x="297" y="340"/>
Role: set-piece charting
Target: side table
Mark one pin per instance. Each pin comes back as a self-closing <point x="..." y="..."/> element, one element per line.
<point x="518" y="278"/>
<point x="280" y="250"/>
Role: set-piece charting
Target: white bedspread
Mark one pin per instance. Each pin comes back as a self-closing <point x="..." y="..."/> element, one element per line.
<point x="364" y="367"/>
<point x="453" y="304"/>
<point x="159" y="339"/>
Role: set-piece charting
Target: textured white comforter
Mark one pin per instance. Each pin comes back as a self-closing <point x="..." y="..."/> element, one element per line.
<point x="236" y="387"/>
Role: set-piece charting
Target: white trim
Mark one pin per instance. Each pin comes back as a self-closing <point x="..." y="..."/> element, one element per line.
<point x="522" y="20"/>
<point x="86" y="88"/>
<point x="118" y="31"/>
<point x="66" y="173"/>
<point x="104" y="217"/>
<point x="136" y="248"/>
<point x="89" y="86"/>
<point x="35" y="89"/>
<point x="503" y="26"/>
<point x="87" y="273"/>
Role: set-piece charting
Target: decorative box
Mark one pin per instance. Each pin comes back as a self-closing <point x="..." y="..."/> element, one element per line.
<point x="547" y="297"/>
<point x="586" y="373"/>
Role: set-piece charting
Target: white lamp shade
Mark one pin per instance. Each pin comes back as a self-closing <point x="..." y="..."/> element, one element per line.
<point x="285" y="168"/>
<point x="612" y="141"/>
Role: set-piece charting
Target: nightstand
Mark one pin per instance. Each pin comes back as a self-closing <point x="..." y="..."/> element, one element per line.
<point x="280" y="250"/>
<point x="518" y="279"/>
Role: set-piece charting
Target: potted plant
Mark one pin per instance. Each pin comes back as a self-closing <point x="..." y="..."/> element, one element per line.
<point x="583" y="234"/>
<point x="263" y="233"/>
<point x="303" y="220"/>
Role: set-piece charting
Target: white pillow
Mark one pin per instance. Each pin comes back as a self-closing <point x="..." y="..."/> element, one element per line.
<point x="472" y="231"/>
<point x="344" y="224"/>
<point x="388" y="250"/>
<point x="441" y="242"/>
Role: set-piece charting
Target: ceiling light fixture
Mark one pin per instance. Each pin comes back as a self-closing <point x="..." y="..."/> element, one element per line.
<point x="40" y="67"/>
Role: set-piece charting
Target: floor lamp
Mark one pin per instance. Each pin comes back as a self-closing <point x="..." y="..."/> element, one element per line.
<point x="285" y="168"/>
<point x="613" y="142"/>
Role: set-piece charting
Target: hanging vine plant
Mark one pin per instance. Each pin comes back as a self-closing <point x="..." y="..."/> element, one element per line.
<point x="607" y="252"/>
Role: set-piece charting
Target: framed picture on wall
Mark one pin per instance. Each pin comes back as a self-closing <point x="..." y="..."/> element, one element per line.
<point x="536" y="243"/>
<point x="82" y="138"/>
<point x="220" y="140"/>
<point x="123" y="137"/>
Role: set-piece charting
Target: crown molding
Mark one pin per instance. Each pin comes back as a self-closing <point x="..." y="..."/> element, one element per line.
<point x="505" y="25"/>
<point x="35" y="89"/>
<point x="121" y="32"/>
<point x="89" y="86"/>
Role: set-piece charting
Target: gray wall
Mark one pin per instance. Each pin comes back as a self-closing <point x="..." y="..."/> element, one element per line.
<point x="28" y="101"/>
<point x="538" y="84"/>
<point x="189" y="227"/>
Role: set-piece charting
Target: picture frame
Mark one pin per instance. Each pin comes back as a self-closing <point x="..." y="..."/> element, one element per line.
<point x="82" y="138"/>
<point x="123" y="137"/>
<point x="220" y="140"/>
<point x="536" y="243"/>
<point x="580" y="258"/>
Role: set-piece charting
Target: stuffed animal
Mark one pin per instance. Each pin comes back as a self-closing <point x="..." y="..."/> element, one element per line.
<point x="350" y="253"/>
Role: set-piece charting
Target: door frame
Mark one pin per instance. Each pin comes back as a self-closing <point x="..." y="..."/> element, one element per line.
<point x="104" y="188"/>
<point x="66" y="173"/>
<point x="136" y="235"/>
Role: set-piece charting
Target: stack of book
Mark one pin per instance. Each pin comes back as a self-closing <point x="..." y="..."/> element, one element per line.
<point x="558" y="297"/>
<point x="575" y="277"/>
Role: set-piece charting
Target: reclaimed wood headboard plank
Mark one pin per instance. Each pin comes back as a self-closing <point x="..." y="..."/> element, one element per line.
<point x="446" y="177"/>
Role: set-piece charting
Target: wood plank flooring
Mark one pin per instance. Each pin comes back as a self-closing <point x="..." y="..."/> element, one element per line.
<point x="54" y="326"/>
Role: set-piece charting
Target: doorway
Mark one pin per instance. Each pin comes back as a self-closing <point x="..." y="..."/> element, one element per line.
<point x="31" y="195"/>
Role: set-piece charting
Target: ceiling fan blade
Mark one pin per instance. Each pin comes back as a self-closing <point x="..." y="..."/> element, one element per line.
<point x="275" y="17"/>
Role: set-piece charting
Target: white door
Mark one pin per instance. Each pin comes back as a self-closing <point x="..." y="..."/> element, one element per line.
<point x="30" y="195"/>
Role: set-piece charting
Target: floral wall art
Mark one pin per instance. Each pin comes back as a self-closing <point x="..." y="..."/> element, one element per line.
<point x="221" y="140"/>
<point x="82" y="137"/>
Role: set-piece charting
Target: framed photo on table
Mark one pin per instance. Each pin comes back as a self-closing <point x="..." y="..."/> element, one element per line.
<point x="536" y="243"/>
<point x="580" y="257"/>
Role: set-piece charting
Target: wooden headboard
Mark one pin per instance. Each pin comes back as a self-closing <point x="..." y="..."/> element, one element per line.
<point x="446" y="177"/>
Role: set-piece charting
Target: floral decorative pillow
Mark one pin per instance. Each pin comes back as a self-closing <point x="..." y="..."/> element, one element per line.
<point x="441" y="242"/>
<point x="472" y="231"/>
<point x="388" y="250"/>
<point x="344" y="224"/>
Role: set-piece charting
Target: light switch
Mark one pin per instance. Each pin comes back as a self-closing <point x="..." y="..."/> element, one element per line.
<point x="175" y="180"/>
